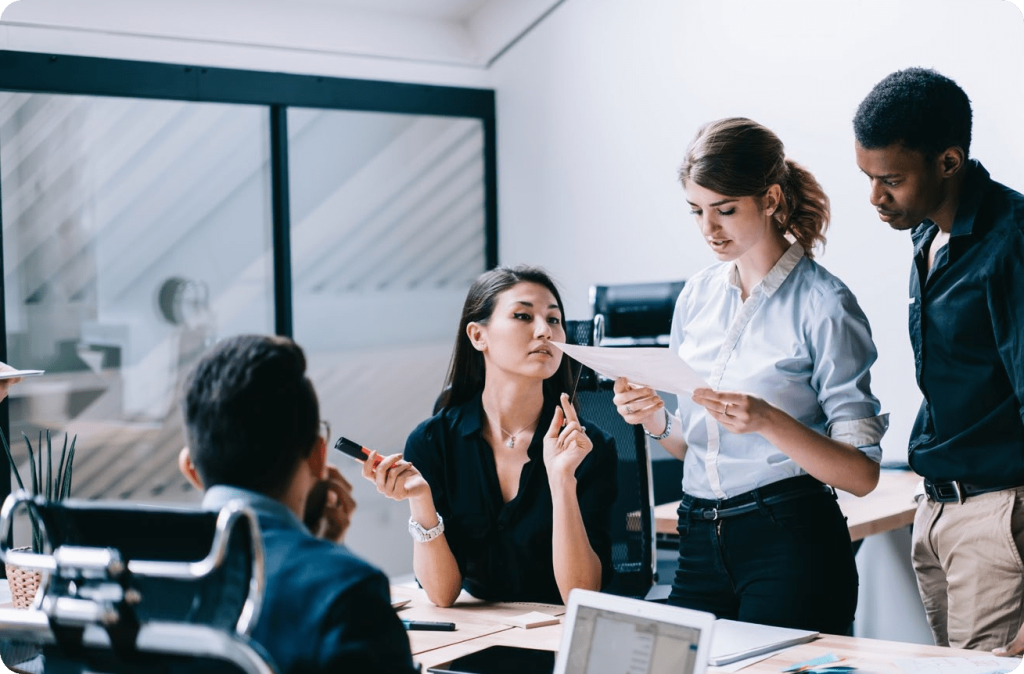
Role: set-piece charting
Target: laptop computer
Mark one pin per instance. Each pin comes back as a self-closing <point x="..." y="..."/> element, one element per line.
<point x="606" y="633"/>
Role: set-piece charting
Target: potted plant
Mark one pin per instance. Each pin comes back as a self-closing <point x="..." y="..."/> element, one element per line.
<point x="53" y="485"/>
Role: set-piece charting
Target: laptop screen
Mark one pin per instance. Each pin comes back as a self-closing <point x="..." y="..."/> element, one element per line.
<point x="610" y="641"/>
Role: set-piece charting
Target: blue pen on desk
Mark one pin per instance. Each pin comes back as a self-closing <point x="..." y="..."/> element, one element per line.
<point x="428" y="625"/>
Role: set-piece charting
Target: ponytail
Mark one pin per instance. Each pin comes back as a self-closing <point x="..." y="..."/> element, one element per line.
<point x="805" y="215"/>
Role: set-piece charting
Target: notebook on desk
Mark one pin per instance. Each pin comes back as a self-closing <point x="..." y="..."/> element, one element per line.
<point x="606" y="633"/>
<point x="734" y="641"/>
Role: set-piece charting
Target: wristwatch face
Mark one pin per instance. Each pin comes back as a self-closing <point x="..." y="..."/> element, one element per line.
<point x="422" y="535"/>
<point x="418" y="532"/>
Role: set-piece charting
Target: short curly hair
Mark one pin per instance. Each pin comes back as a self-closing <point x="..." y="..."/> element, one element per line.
<point x="918" y="108"/>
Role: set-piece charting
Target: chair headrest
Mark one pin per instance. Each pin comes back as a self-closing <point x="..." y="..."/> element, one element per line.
<point x="170" y="562"/>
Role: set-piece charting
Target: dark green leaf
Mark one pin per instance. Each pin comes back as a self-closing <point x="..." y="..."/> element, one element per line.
<point x="49" y="467"/>
<point x="65" y="490"/>
<point x="10" y="460"/>
<point x="60" y="467"/>
<point x="32" y="466"/>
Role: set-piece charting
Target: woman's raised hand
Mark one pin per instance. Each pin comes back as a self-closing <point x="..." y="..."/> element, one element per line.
<point x="394" y="477"/>
<point x="638" y="404"/>
<point x="566" y="443"/>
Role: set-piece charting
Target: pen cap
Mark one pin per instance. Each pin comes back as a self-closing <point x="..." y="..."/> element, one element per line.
<point x="353" y="449"/>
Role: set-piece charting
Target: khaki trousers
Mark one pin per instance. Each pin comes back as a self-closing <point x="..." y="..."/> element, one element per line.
<point x="967" y="557"/>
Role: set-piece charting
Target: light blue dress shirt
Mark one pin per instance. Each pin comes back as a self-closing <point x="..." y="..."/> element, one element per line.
<point x="800" y="341"/>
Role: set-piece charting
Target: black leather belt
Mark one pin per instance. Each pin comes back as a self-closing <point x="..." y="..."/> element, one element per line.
<point x="956" y="491"/>
<point x="778" y="492"/>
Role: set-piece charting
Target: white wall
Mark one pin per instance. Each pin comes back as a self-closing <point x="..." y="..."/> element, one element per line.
<point x="597" y="105"/>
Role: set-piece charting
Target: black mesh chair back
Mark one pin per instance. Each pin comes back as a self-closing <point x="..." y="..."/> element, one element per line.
<point x="140" y="589"/>
<point x="633" y="512"/>
<point x="180" y="536"/>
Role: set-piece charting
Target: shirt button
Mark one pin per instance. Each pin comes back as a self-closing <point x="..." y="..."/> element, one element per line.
<point x="501" y="527"/>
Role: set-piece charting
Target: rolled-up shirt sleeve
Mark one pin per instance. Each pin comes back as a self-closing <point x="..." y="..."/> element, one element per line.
<point x="843" y="353"/>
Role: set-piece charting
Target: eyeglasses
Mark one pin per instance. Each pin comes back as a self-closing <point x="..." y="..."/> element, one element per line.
<point x="325" y="431"/>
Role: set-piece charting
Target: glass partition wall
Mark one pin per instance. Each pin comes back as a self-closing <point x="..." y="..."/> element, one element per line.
<point x="135" y="233"/>
<point x="387" y="234"/>
<point x="150" y="210"/>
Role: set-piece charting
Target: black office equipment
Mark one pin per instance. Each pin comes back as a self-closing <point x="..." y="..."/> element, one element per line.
<point x="641" y="312"/>
<point x="140" y="589"/>
<point x="633" y="512"/>
<point x="500" y="660"/>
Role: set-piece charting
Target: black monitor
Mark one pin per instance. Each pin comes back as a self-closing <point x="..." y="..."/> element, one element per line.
<point x="641" y="311"/>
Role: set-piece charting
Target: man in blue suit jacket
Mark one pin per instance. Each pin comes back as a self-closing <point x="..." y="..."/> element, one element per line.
<point x="253" y="424"/>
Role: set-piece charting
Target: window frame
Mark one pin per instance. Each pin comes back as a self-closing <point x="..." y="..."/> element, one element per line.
<point x="32" y="72"/>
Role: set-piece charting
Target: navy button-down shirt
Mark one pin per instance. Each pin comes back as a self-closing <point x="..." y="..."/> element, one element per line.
<point x="324" y="609"/>
<point x="967" y="330"/>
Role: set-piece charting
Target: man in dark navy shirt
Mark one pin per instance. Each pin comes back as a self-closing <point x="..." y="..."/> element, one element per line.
<point x="253" y="424"/>
<point x="913" y="135"/>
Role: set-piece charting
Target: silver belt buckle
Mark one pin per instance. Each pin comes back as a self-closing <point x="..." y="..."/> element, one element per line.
<point x="948" y="492"/>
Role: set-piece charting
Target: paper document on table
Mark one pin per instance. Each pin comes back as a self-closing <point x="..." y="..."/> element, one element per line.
<point x="659" y="368"/>
<point x="986" y="664"/>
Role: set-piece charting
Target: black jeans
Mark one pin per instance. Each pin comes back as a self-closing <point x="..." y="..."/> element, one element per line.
<point x="789" y="564"/>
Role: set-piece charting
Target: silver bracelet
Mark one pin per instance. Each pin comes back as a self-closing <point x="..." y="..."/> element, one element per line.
<point x="668" y="428"/>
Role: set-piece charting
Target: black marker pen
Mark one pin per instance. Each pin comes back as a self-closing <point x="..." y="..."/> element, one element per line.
<point x="427" y="625"/>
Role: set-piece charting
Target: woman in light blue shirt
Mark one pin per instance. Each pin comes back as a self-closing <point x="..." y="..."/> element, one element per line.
<point x="790" y="414"/>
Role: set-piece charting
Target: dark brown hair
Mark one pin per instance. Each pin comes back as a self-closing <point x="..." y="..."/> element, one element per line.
<point x="467" y="371"/>
<point x="738" y="157"/>
<point x="251" y="414"/>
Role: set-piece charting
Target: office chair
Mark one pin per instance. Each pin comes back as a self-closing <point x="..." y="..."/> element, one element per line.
<point x="632" y="531"/>
<point x="140" y="589"/>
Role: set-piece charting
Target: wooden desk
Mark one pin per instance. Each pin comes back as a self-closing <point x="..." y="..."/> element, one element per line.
<point x="890" y="506"/>
<point x="474" y="620"/>
<point x="867" y="655"/>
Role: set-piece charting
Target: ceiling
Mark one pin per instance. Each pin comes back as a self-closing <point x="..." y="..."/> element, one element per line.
<point x="456" y="32"/>
<point x="449" y="10"/>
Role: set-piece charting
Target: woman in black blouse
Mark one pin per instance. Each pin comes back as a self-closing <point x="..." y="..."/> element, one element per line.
<point x="510" y="494"/>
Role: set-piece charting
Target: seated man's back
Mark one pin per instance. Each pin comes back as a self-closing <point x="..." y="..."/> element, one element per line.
<point x="253" y="428"/>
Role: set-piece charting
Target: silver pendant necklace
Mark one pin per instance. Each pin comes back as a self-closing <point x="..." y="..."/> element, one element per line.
<point x="511" y="442"/>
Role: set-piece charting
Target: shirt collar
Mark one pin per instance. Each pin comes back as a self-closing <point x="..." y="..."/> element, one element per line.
<point x="966" y="211"/>
<point x="777" y="275"/>
<point x="218" y="496"/>
<point x="470" y="416"/>
<point x="970" y="199"/>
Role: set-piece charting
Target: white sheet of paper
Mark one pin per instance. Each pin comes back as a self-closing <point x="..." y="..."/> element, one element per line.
<point x="11" y="374"/>
<point x="657" y="367"/>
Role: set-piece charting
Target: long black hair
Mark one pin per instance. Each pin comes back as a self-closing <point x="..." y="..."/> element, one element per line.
<point x="466" y="371"/>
